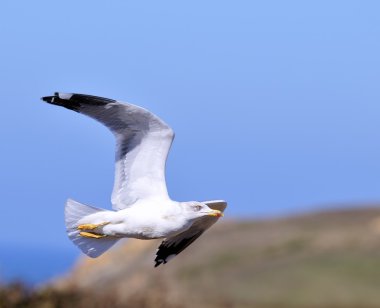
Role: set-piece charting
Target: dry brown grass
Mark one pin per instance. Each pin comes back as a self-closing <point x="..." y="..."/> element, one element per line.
<point x="317" y="260"/>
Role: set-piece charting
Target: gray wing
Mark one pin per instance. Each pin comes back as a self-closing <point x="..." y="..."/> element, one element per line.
<point x="172" y="246"/>
<point x="142" y="145"/>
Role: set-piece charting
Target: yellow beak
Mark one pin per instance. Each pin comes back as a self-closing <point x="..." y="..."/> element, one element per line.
<point x="215" y="213"/>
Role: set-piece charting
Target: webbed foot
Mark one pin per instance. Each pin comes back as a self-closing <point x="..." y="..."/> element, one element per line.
<point x="92" y="235"/>
<point x="91" y="226"/>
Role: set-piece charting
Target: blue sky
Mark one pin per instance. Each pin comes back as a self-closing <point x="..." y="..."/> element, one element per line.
<point x="275" y="105"/>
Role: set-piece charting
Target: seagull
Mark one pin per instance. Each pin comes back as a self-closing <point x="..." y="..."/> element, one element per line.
<point x="142" y="208"/>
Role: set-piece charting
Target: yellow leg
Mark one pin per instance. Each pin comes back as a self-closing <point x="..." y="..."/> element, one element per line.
<point x="91" y="235"/>
<point x="91" y="226"/>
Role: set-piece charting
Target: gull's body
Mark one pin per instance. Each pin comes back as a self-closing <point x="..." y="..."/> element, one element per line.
<point x="131" y="223"/>
<point x="142" y="207"/>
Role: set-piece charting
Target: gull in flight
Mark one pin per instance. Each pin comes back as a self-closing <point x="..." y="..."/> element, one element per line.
<point x="141" y="205"/>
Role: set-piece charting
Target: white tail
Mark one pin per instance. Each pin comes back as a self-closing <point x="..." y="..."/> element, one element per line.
<point x="74" y="212"/>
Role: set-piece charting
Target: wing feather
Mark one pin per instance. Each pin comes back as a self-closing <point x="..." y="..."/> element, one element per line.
<point x="143" y="142"/>
<point x="172" y="246"/>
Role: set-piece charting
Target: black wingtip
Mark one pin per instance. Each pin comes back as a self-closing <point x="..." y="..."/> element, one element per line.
<point x="75" y="101"/>
<point x="63" y="101"/>
<point x="48" y="99"/>
<point x="159" y="263"/>
<point x="51" y="99"/>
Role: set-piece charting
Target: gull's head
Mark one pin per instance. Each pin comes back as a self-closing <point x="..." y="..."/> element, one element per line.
<point x="196" y="210"/>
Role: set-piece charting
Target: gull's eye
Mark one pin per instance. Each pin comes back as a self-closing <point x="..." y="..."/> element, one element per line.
<point x="197" y="208"/>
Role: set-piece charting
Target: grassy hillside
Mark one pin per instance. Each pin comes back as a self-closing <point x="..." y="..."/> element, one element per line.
<point x="317" y="260"/>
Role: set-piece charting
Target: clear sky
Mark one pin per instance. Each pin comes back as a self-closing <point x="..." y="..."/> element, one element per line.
<point x="275" y="105"/>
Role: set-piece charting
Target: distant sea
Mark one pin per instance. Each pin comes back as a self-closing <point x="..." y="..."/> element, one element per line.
<point x="33" y="265"/>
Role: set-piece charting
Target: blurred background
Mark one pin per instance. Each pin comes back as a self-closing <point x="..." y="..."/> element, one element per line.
<point x="275" y="105"/>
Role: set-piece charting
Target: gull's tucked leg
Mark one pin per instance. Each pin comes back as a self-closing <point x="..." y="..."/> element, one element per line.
<point x="91" y="235"/>
<point x="88" y="227"/>
<point x="93" y="246"/>
<point x="92" y="226"/>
